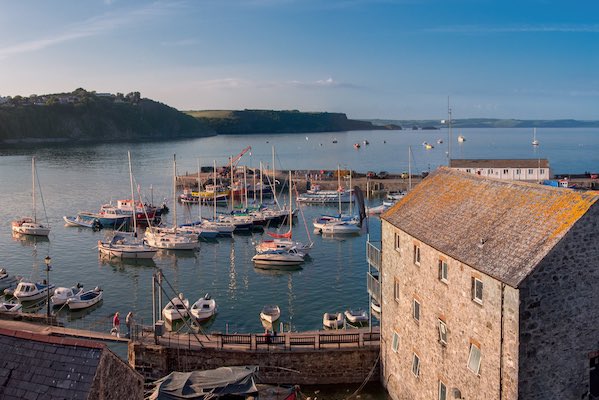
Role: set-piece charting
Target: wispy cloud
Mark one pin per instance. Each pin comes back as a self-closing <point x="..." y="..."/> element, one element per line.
<point x="91" y="27"/>
<point x="236" y="83"/>
<point x="486" y="29"/>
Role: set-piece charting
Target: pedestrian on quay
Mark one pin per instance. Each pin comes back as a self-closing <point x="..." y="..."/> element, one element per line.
<point x="116" y="324"/>
<point x="129" y="323"/>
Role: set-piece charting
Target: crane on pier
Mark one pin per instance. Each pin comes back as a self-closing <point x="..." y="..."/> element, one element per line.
<point x="225" y="170"/>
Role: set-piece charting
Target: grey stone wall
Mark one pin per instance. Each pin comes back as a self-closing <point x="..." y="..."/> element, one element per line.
<point x="330" y="366"/>
<point x="559" y="323"/>
<point x="115" y="380"/>
<point x="466" y="321"/>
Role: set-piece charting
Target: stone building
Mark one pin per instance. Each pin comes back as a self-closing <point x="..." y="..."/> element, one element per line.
<point x="34" y="366"/>
<point x="490" y="290"/>
<point x="536" y="169"/>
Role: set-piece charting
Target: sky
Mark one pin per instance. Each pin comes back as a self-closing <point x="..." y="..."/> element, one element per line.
<point x="389" y="59"/>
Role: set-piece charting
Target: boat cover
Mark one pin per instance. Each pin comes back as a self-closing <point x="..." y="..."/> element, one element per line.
<point x="210" y="384"/>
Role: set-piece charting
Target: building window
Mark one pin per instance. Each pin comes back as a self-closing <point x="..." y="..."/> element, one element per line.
<point x="518" y="172"/>
<point x="396" y="241"/>
<point x="474" y="359"/>
<point x="416" y="365"/>
<point x="416" y="310"/>
<point x="477" y="290"/>
<point x="468" y="170"/>
<point x="442" y="332"/>
<point x="542" y="171"/>
<point x="416" y="254"/>
<point x="443" y="270"/>
<point x="505" y="171"/>
<point x="396" y="290"/>
<point x="530" y="172"/>
<point x="395" y="342"/>
<point x="442" y="391"/>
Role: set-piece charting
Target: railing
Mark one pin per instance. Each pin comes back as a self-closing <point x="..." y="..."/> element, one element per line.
<point x="373" y="255"/>
<point x="373" y="285"/>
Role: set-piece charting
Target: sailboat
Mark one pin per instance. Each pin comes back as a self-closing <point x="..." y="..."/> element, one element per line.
<point x="127" y="244"/>
<point x="224" y="228"/>
<point x="346" y="224"/>
<point x="535" y="142"/>
<point x="171" y="238"/>
<point x="284" y="241"/>
<point x="28" y="225"/>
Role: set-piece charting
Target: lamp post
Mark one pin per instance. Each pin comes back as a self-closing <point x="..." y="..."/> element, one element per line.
<point x="48" y="260"/>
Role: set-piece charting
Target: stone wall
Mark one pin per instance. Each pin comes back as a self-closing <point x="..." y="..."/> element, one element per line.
<point x="115" y="380"/>
<point x="559" y="324"/>
<point x="466" y="320"/>
<point x="325" y="366"/>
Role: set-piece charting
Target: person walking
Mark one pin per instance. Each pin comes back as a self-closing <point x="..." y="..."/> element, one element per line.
<point x="116" y="324"/>
<point x="129" y="322"/>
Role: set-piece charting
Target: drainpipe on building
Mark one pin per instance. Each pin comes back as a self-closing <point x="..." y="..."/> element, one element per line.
<point x="501" y="344"/>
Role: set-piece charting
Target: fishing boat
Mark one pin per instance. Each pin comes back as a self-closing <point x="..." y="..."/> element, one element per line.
<point x="356" y="317"/>
<point x="29" y="225"/>
<point x="81" y="221"/>
<point x="29" y="291"/>
<point x="278" y="258"/>
<point x="332" y="321"/>
<point x="10" y="307"/>
<point x="204" y="308"/>
<point x="85" y="299"/>
<point x="143" y="212"/>
<point x="109" y="216"/>
<point x="7" y="280"/>
<point x="176" y="309"/>
<point x="62" y="294"/>
<point x="270" y="313"/>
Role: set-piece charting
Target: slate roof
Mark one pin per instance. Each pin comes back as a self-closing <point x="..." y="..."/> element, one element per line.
<point x="519" y="222"/>
<point x="34" y="366"/>
<point x="499" y="163"/>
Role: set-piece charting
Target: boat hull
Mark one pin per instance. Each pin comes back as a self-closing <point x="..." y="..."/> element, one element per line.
<point x="85" y="300"/>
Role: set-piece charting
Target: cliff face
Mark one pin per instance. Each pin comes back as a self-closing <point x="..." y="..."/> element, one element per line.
<point x="97" y="119"/>
<point x="270" y="121"/>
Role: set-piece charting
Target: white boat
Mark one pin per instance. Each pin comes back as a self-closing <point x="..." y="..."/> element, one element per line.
<point x="395" y="195"/>
<point x="176" y="309"/>
<point x="29" y="291"/>
<point x="377" y="209"/>
<point x="356" y="317"/>
<point x="86" y="299"/>
<point x="376" y="307"/>
<point x="332" y="321"/>
<point x="461" y="139"/>
<point x="204" y="308"/>
<point x="317" y="196"/>
<point x="278" y="258"/>
<point x="535" y="142"/>
<point x="28" y="225"/>
<point x="7" y="280"/>
<point x="270" y="313"/>
<point x="79" y="220"/>
<point x="340" y="228"/>
<point x="171" y="239"/>
<point x="62" y="294"/>
<point x="10" y="307"/>
<point x="324" y="220"/>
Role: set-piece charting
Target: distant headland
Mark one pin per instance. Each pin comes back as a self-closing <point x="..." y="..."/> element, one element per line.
<point x="88" y="116"/>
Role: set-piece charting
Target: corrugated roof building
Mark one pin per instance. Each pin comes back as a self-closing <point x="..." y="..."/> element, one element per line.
<point x="531" y="169"/>
<point x="490" y="290"/>
<point x="34" y="366"/>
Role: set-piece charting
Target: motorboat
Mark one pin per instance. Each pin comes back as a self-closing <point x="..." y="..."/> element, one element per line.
<point x="461" y="139"/>
<point x="82" y="221"/>
<point x="7" y="280"/>
<point x="29" y="291"/>
<point x="324" y="220"/>
<point x="176" y="309"/>
<point x="376" y="307"/>
<point x="332" y="321"/>
<point x="377" y="209"/>
<point x="62" y="294"/>
<point x="126" y="246"/>
<point x="170" y="240"/>
<point x="395" y="195"/>
<point x="270" y="313"/>
<point x="109" y="216"/>
<point x="204" y="308"/>
<point x="340" y="228"/>
<point x="198" y="228"/>
<point x="10" y="307"/>
<point x="86" y="299"/>
<point x="356" y="317"/>
<point x="278" y="258"/>
<point x="283" y="244"/>
<point x="317" y="196"/>
<point x="28" y="225"/>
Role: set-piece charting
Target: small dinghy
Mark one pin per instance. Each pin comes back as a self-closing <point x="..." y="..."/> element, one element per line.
<point x="6" y="280"/>
<point x="62" y="294"/>
<point x="356" y="317"/>
<point x="86" y="299"/>
<point x="86" y="222"/>
<point x="10" y="307"/>
<point x="204" y="308"/>
<point x="332" y="321"/>
<point x="270" y="313"/>
<point x="176" y="309"/>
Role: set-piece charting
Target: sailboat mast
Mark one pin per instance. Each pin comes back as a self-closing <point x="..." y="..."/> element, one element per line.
<point x="245" y="186"/>
<point x="350" y="194"/>
<point x="133" y="208"/>
<point x="214" y="191"/>
<point x="199" y="193"/>
<point x="409" y="168"/>
<point x="175" y="192"/>
<point x="448" y="133"/>
<point x="290" y="204"/>
<point x="274" y="181"/>
<point x="33" y="187"/>
<point x="261" y="181"/>
<point x="339" y="187"/>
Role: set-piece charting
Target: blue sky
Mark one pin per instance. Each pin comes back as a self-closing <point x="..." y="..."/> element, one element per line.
<point x="397" y="59"/>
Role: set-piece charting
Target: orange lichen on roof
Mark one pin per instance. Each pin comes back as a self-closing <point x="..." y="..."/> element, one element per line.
<point x="519" y="223"/>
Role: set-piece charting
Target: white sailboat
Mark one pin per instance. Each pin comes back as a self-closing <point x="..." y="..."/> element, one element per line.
<point x="171" y="239"/>
<point x="126" y="245"/>
<point x="29" y="225"/>
<point x="535" y="142"/>
<point x="341" y="224"/>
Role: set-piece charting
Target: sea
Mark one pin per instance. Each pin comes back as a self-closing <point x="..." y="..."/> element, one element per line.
<point x="77" y="177"/>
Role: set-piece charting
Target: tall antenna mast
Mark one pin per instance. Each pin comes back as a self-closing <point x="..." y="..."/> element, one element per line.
<point x="448" y="133"/>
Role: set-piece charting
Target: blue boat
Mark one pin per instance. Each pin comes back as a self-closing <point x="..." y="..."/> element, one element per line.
<point x="109" y="216"/>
